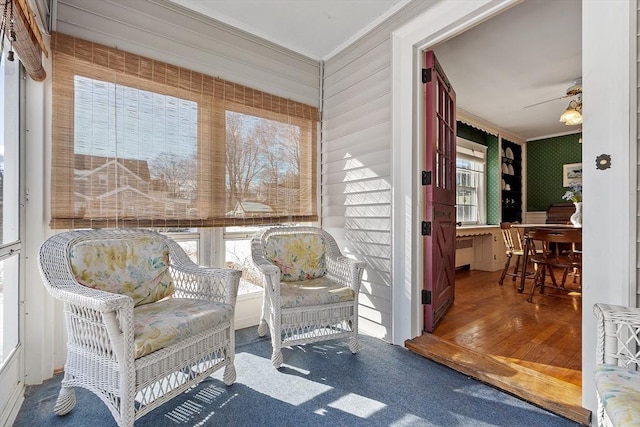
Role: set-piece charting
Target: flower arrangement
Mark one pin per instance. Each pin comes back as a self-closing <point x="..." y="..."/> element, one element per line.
<point x="574" y="194"/>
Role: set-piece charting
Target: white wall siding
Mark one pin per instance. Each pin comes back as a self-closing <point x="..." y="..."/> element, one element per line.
<point x="356" y="162"/>
<point x="167" y="32"/>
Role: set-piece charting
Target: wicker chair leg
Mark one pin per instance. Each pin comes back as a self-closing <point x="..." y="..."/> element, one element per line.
<point x="229" y="375"/>
<point x="276" y="357"/>
<point x="263" y="328"/>
<point x="66" y="401"/>
<point x="354" y="344"/>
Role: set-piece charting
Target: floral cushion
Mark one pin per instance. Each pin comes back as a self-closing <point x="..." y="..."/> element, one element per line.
<point x="299" y="257"/>
<point x="136" y="267"/>
<point x="172" y="320"/>
<point x="619" y="392"/>
<point x="313" y="292"/>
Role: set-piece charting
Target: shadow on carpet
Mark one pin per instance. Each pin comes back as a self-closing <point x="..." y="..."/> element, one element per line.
<point x="319" y="385"/>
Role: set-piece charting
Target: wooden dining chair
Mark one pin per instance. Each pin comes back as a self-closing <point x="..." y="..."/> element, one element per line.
<point x="513" y="247"/>
<point x="558" y="253"/>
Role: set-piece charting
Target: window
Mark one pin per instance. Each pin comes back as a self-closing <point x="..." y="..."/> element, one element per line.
<point x="470" y="182"/>
<point x="193" y="150"/>
<point x="12" y="96"/>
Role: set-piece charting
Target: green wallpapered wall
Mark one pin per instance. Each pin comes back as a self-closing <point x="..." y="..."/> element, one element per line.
<point x="493" y="167"/>
<point x="545" y="158"/>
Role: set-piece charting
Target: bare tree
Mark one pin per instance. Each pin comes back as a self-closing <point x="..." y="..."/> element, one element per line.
<point x="262" y="158"/>
<point x="243" y="158"/>
<point x="178" y="173"/>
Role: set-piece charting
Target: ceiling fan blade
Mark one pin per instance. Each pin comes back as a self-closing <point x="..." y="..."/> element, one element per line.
<point x="548" y="100"/>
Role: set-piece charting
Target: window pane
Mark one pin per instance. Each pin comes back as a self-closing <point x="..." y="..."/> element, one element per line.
<point x="135" y="152"/>
<point x="470" y="166"/>
<point x="9" y="150"/>
<point x="263" y="167"/>
<point x="9" y="206"/>
<point x="150" y="138"/>
<point x="238" y="256"/>
<point x="9" y="269"/>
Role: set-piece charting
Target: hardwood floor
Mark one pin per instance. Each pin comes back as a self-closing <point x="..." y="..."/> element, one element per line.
<point x="532" y="350"/>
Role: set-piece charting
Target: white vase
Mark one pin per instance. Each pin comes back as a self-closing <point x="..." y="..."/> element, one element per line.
<point x="576" y="218"/>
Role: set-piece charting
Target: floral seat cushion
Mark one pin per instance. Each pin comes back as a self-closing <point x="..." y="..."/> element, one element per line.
<point x="314" y="292"/>
<point x="619" y="392"/>
<point x="299" y="257"/>
<point x="173" y="320"/>
<point x="137" y="267"/>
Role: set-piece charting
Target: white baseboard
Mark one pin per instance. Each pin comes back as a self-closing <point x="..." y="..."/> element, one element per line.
<point x="248" y="310"/>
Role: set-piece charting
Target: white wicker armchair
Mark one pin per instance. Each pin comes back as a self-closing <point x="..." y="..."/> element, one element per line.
<point x="310" y="289"/>
<point x="144" y="323"/>
<point x="616" y="375"/>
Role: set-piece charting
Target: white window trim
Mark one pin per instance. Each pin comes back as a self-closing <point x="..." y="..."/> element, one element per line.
<point x="473" y="150"/>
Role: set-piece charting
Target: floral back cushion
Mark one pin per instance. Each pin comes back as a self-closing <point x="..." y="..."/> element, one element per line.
<point x="137" y="267"/>
<point x="299" y="257"/>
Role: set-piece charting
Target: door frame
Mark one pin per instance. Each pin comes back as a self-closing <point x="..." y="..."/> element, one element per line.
<point x="443" y="21"/>
<point x="611" y="128"/>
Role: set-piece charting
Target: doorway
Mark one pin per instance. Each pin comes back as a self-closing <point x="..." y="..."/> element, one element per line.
<point x="443" y="32"/>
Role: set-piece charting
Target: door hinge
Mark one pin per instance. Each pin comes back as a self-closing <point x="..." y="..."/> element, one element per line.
<point x="426" y="75"/>
<point x="426" y="228"/>
<point x="426" y="177"/>
<point x="426" y="296"/>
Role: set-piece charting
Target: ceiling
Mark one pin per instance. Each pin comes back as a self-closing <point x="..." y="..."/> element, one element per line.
<point x="527" y="54"/>
<point x="314" y="28"/>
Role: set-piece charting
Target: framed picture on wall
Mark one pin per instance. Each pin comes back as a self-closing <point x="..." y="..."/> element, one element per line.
<point x="571" y="172"/>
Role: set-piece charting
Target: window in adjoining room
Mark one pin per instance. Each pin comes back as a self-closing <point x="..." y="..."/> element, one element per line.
<point x="470" y="182"/>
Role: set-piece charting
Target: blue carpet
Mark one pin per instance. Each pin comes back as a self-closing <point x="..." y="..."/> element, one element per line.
<point x="319" y="385"/>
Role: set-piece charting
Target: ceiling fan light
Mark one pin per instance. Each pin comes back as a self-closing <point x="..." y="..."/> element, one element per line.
<point x="574" y="121"/>
<point x="571" y="115"/>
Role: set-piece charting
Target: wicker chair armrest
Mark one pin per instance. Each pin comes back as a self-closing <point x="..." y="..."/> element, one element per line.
<point x="264" y="266"/>
<point x="207" y="283"/>
<point x="270" y="275"/>
<point x="108" y="315"/>
<point x="267" y="268"/>
<point x="347" y="271"/>
<point x="618" y="335"/>
<point x="71" y="292"/>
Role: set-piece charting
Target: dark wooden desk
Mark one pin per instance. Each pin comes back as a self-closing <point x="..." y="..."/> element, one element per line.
<point x="527" y="244"/>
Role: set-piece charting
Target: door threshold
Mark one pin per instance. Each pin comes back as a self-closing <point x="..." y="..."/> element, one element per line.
<point x="549" y="393"/>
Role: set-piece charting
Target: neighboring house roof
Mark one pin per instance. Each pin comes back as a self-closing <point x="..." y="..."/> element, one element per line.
<point x="250" y="208"/>
<point x="121" y="189"/>
<point x="255" y="207"/>
<point x="86" y="165"/>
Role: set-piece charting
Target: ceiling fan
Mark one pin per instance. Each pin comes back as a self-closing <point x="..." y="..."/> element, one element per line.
<point x="574" y="90"/>
<point x="572" y="115"/>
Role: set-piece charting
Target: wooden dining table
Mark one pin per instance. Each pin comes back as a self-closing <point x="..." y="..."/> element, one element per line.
<point x="528" y="245"/>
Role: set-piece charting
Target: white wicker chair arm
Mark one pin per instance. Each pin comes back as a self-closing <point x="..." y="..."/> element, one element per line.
<point x="270" y="271"/>
<point x="270" y="274"/>
<point x="267" y="268"/>
<point x="208" y="283"/>
<point x="108" y="315"/>
<point x="618" y="330"/>
<point x="347" y="271"/>
<point x="62" y="286"/>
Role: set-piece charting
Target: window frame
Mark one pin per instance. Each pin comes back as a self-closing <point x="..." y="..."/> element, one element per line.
<point x="474" y="152"/>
